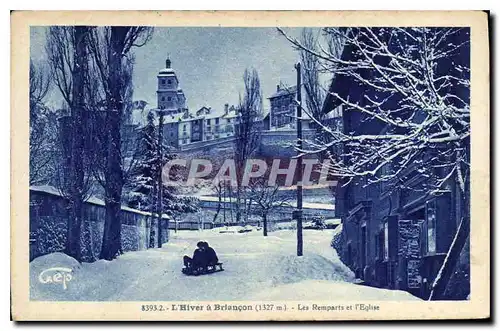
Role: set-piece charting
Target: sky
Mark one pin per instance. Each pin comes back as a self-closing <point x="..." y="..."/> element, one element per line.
<point x="209" y="62"/>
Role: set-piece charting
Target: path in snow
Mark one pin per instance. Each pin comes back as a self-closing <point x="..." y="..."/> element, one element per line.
<point x="256" y="267"/>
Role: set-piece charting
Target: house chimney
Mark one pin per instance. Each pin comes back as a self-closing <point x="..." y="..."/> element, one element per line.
<point x="278" y="88"/>
<point x="226" y="108"/>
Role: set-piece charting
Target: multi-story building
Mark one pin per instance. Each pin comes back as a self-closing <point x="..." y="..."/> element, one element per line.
<point x="283" y="107"/>
<point x="397" y="236"/>
<point x="180" y="126"/>
<point x="220" y="125"/>
<point x="283" y="110"/>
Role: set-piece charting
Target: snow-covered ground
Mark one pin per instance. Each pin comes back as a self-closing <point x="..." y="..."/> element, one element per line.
<point x="256" y="267"/>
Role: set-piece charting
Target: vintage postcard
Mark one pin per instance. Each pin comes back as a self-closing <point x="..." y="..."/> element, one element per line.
<point x="281" y="166"/>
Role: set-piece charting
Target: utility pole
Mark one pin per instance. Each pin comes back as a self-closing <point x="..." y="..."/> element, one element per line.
<point x="224" y="205"/>
<point x="159" y="200"/>
<point x="299" y="163"/>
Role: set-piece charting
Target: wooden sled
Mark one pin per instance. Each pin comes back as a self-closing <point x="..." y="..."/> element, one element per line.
<point x="203" y="271"/>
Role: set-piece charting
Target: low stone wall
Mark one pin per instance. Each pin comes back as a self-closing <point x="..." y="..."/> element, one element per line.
<point x="49" y="221"/>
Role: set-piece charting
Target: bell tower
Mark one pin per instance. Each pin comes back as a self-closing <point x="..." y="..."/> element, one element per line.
<point x="169" y="96"/>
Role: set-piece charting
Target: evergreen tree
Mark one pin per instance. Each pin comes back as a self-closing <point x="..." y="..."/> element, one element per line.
<point x="143" y="182"/>
<point x="172" y="202"/>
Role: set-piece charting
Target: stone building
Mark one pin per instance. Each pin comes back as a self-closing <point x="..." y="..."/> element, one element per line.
<point x="283" y="107"/>
<point x="182" y="127"/>
<point x="283" y="110"/>
<point x="170" y="96"/>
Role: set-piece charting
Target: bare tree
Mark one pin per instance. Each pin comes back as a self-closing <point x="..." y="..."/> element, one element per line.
<point x="312" y="68"/>
<point x="220" y="187"/>
<point x="130" y="151"/>
<point x="110" y="48"/>
<point x="41" y="129"/>
<point x="267" y="198"/>
<point x="248" y="131"/>
<point x="315" y="93"/>
<point x="419" y="102"/>
<point x="67" y="49"/>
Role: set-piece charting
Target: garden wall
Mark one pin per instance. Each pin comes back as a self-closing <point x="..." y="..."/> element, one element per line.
<point x="49" y="219"/>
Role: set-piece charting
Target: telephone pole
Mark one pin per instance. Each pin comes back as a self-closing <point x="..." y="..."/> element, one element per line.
<point x="298" y="215"/>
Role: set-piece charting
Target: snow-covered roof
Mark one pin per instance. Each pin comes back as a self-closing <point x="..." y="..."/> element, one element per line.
<point x="167" y="72"/>
<point x="284" y="91"/>
<point x="139" y="116"/>
<point x="209" y="113"/>
<point x="174" y="118"/>
<point x="93" y="200"/>
<point x="230" y="115"/>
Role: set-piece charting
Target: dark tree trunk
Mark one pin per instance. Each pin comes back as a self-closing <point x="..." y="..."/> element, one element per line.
<point x="218" y="208"/>
<point x="111" y="244"/>
<point x="73" y="240"/>
<point x="451" y="260"/>
<point x="456" y="247"/>
<point x="264" y="219"/>
<point x="238" y="205"/>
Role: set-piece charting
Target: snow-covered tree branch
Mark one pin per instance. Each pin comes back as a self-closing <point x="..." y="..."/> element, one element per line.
<point x="415" y="98"/>
<point x="405" y="95"/>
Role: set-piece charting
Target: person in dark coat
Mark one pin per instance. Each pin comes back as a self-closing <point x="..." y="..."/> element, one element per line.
<point x="210" y="255"/>
<point x="199" y="257"/>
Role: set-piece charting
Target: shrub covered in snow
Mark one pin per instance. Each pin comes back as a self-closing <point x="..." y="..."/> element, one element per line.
<point x="338" y="242"/>
<point x="51" y="235"/>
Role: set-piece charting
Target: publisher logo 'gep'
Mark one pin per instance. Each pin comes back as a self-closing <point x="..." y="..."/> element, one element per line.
<point x="56" y="275"/>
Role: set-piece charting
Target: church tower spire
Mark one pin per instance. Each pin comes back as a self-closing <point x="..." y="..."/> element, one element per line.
<point x="169" y="95"/>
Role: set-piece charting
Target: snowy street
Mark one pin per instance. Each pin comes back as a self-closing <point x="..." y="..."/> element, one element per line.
<point x="256" y="268"/>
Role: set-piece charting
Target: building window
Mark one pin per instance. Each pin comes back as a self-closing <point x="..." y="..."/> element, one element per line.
<point x="229" y="120"/>
<point x="162" y="98"/>
<point x="184" y="128"/>
<point x="431" y="227"/>
<point x="217" y="121"/>
<point x="169" y="82"/>
<point x="163" y="81"/>
<point x="386" y="241"/>
<point x="169" y="99"/>
<point x="208" y="122"/>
